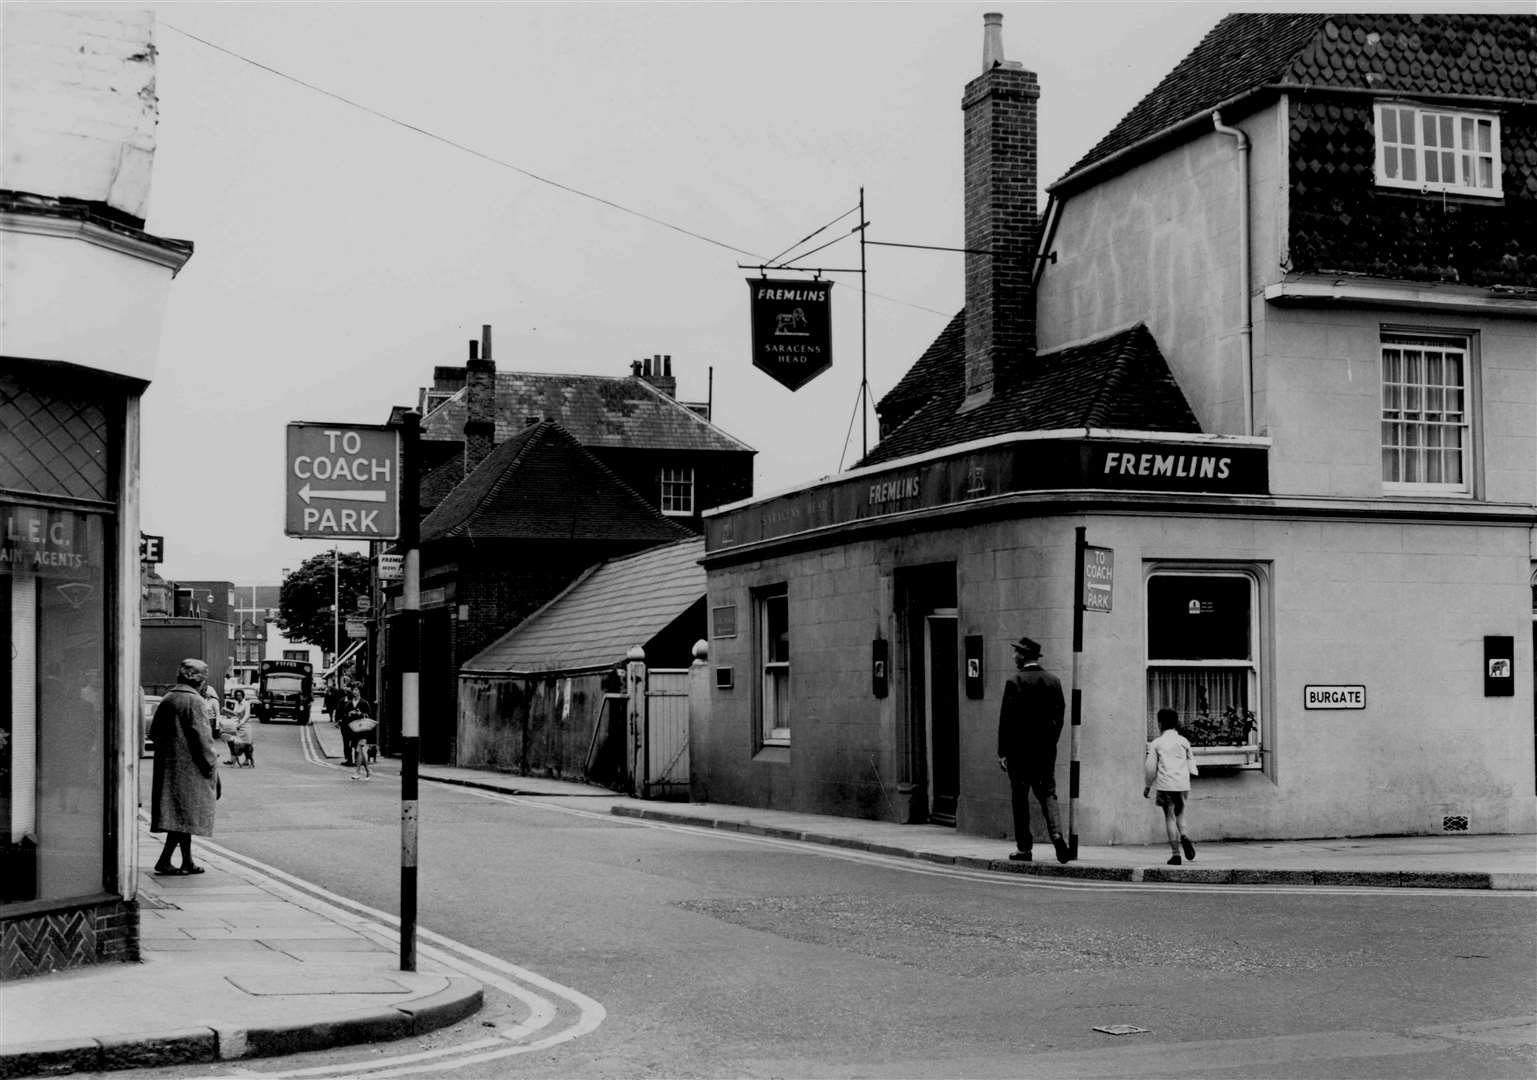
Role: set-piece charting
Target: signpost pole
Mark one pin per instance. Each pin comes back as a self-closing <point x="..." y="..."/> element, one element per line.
<point x="1080" y="542"/>
<point x="410" y="671"/>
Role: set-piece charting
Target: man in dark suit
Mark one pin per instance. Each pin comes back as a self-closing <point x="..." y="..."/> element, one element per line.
<point x="1029" y="724"/>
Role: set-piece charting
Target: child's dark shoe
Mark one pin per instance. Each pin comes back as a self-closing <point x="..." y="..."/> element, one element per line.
<point x="1184" y="842"/>
<point x="1175" y="860"/>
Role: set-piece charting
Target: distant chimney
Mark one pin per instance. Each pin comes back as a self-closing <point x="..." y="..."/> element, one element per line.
<point x="1000" y="164"/>
<point x="657" y="370"/>
<point x="480" y="399"/>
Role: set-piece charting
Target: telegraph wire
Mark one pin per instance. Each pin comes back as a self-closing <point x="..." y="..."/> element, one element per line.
<point x="460" y="146"/>
<point x="526" y="172"/>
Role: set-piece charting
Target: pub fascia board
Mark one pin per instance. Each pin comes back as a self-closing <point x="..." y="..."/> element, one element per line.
<point x="958" y="449"/>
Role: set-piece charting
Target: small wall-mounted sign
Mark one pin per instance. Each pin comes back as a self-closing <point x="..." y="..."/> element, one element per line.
<point x="724" y="677"/>
<point x="1098" y="578"/>
<point x="1499" y="666"/>
<point x="723" y="621"/>
<point x="1334" y="697"/>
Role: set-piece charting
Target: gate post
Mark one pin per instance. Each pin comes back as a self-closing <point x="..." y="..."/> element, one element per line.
<point x="635" y="719"/>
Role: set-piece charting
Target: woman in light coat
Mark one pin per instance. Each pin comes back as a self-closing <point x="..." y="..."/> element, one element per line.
<point x="184" y="783"/>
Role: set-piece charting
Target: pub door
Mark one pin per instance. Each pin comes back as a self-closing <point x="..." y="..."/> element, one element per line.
<point x="942" y="716"/>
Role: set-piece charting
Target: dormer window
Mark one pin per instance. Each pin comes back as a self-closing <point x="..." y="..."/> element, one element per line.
<point x="1426" y="149"/>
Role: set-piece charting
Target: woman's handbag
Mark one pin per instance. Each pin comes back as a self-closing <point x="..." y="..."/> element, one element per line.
<point x="362" y="725"/>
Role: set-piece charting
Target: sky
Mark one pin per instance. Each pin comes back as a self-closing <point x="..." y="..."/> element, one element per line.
<point x="584" y="178"/>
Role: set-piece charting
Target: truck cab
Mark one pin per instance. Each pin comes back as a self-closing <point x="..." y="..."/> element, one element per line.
<point x="284" y="689"/>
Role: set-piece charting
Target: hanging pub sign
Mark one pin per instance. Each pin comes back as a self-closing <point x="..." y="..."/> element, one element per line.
<point x="792" y="329"/>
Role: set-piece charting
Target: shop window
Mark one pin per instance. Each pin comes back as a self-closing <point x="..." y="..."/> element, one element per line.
<point x="1438" y="150"/>
<point x="677" y="491"/>
<point x="1426" y="429"/>
<point x="772" y="611"/>
<point x="53" y="679"/>
<point x="1203" y="654"/>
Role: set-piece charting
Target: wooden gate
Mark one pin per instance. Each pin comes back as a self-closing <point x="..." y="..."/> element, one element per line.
<point x="663" y="756"/>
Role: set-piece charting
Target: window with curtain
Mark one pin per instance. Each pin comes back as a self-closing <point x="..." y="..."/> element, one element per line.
<point x="1202" y="661"/>
<point x="1425" y="424"/>
<point x="773" y="647"/>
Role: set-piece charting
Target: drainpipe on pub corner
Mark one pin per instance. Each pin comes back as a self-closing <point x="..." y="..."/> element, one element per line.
<point x="1247" y="332"/>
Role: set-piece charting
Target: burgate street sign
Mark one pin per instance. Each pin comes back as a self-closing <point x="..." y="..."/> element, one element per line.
<point x="343" y="482"/>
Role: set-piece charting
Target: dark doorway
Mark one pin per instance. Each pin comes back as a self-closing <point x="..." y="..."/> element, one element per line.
<point x="929" y="737"/>
<point x="943" y="726"/>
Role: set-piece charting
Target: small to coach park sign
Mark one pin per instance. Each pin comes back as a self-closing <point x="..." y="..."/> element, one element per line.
<point x="1334" y="697"/>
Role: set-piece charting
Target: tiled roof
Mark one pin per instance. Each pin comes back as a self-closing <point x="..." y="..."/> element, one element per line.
<point x="615" y="606"/>
<point x="1479" y="55"/>
<point x="925" y="377"/>
<point x="598" y="410"/>
<point x="542" y="485"/>
<point x="1119" y="381"/>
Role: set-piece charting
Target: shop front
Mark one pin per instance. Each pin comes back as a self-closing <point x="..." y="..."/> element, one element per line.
<point x="66" y="797"/>
<point x="1328" y="659"/>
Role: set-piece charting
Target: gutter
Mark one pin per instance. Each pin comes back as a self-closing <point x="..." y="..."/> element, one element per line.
<point x="1246" y="331"/>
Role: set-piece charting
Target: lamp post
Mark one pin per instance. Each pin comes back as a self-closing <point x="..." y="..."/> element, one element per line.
<point x="336" y="602"/>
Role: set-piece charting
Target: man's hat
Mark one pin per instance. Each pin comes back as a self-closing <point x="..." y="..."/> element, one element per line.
<point x="1027" y="647"/>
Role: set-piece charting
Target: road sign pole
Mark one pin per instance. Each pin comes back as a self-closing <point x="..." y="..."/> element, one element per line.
<point x="1080" y="542"/>
<point x="410" y="669"/>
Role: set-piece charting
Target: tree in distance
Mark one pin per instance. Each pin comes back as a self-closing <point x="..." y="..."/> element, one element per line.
<point x="304" y="602"/>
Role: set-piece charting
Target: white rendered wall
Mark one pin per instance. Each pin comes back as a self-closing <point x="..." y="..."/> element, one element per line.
<point x="79" y="103"/>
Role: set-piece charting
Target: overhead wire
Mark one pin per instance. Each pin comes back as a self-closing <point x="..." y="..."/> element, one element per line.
<point x="461" y="146"/>
<point x="569" y="189"/>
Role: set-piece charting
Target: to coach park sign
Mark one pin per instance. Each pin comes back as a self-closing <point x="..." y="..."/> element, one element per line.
<point x="343" y="482"/>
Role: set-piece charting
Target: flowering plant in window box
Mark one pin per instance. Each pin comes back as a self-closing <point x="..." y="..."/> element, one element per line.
<point x="1231" y="727"/>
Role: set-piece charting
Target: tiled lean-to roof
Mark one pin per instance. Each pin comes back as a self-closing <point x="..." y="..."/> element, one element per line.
<point x="612" y="608"/>
<point x="1473" y="55"/>
<point x="598" y="410"/>
<point x="542" y="484"/>
<point x="1118" y="381"/>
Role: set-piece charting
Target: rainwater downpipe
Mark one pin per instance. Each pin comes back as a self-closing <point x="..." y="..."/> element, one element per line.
<point x="1246" y="334"/>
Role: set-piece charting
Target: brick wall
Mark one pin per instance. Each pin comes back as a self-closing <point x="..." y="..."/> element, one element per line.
<point x="97" y="933"/>
<point x="1000" y="174"/>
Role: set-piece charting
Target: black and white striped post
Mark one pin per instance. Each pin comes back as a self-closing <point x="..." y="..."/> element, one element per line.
<point x="1080" y="543"/>
<point x="407" y="640"/>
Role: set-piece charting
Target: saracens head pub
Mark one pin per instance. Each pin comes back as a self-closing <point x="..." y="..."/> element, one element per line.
<point x="1215" y="455"/>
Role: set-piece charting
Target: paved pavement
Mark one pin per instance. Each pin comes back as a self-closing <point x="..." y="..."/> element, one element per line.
<point x="251" y="968"/>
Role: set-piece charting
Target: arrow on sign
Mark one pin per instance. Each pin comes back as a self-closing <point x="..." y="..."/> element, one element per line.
<point x="307" y="493"/>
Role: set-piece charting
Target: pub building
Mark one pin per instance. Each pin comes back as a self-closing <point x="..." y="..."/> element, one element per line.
<point x="84" y="298"/>
<point x="1298" y="506"/>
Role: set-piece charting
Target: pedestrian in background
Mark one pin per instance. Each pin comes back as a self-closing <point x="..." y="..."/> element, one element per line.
<point x="1029" y="725"/>
<point x="1168" y="767"/>
<point x="185" y="776"/>
<point x="362" y="726"/>
<point x="241" y="746"/>
<point x="344" y="706"/>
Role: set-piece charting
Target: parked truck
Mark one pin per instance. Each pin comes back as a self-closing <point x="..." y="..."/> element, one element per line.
<point x="164" y="642"/>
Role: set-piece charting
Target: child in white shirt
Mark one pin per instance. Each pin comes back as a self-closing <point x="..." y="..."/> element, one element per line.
<point x="1169" y="765"/>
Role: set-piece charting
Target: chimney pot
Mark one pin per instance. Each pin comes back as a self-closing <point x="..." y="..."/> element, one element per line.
<point x="667" y="365"/>
<point x="485" y="340"/>
<point x="474" y="345"/>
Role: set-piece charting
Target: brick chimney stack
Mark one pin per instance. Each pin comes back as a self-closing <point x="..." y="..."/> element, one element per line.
<point x="1000" y="165"/>
<point x="480" y="397"/>
<point x="657" y="371"/>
